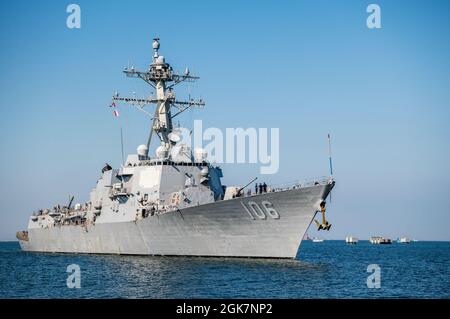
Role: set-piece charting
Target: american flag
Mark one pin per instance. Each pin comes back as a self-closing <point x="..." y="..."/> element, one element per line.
<point x="115" y="112"/>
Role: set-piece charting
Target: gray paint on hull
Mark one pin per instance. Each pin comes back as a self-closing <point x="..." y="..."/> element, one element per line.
<point x="223" y="228"/>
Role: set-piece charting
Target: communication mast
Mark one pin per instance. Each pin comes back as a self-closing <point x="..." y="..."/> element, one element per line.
<point x="161" y="77"/>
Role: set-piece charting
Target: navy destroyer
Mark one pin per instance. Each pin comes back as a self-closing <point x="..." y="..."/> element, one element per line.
<point x="173" y="202"/>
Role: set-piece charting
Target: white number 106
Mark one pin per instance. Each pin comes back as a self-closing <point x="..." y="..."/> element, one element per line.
<point x="255" y="211"/>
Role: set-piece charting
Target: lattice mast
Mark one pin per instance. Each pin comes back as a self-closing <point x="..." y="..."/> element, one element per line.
<point x="161" y="77"/>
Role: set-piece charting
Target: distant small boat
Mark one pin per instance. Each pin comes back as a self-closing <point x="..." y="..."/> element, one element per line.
<point x="351" y="240"/>
<point x="378" y="240"/>
<point x="317" y="240"/>
<point x="403" y="240"/>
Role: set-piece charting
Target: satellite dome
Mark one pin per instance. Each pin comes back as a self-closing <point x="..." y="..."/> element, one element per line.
<point x="200" y="154"/>
<point x="204" y="171"/>
<point x="161" y="152"/>
<point x="155" y="44"/>
<point x="160" y="60"/>
<point x="181" y="153"/>
<point x="174" y="137"/>
<point x="142" y="150"/>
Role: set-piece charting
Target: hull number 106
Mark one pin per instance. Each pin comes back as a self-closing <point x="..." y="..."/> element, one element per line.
<point x="260" y="211"/>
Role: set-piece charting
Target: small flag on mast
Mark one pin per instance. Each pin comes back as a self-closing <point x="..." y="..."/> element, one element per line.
<point x="115" y="112"/>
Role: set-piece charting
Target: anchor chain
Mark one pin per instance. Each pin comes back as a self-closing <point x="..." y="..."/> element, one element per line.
<point x="325" y="225"/>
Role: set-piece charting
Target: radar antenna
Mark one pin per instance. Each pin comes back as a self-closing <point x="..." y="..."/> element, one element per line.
<point x="161" y="77"/>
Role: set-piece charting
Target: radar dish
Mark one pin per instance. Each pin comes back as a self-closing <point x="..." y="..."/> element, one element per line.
<point x="174" y="137"/>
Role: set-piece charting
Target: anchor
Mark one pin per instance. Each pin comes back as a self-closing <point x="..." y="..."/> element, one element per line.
<point x="325" y="225"/>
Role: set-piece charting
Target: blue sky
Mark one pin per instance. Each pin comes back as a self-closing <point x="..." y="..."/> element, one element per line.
<point x="307" y="67"/>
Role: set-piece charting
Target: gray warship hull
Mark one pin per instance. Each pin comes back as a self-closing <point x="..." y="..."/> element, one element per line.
<point x="239" y="227"/>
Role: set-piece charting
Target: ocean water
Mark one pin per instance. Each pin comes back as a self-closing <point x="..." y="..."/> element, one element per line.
<point x="331" y="269"/>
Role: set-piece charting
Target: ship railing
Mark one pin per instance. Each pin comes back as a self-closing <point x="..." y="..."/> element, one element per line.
<point x="296" y="184"/>
<point x="322" y="180"/>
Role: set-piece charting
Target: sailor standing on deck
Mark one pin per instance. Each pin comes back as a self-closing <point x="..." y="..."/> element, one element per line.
<point x="256" y="188"/>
